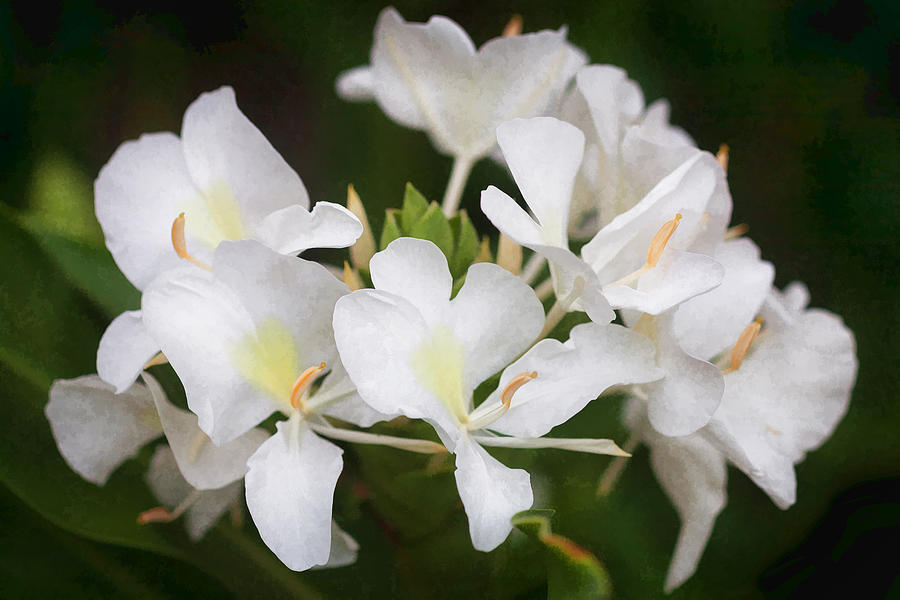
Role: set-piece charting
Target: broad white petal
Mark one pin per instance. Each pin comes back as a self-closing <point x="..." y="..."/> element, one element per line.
<point x="495" y="316"/>
<point x="510" y="218"/>
<point x="137" y="196"/>
<point x="677" y="277"/>
<point x="544" y="154"/>
<point x="787" y="397"/>
<point x="693" y="474"/>
<point x="614" y="102"/>
<point x="687" y="397"/>
<point x="571" y="375"/>
<point x="293" y="229"/>
<point x="712" y="322"/>
<point x="415" y="270"/>
<point x="124" y="350"/>
<point x="96" y="429"/>
<point x="295" y="296"/>
<point x="204" y="330"/>
<point x="227" y="155"/>
<point x="491" y="493"/>
<point x="356" y="84"/>
<point x="378" y="334"/>
<point x="290" y="488"/>
<point x="204" y="465"/>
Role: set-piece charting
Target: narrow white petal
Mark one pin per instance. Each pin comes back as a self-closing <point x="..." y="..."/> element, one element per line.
<point x="415" y="270"/>
<point x="510" y="218"/>
<point x="137" y="195"/>
<point x="96" y="429"/>
<point x="343" y="549"/>
<point x="290" y="488"/>
<point x="491" y="494"/>
<point x="204" y="465"/>
<point x="124" y="350"/>
<point x="226" y="153"/>
<point x="614" y="102"/>
<point x="544" y="154"/>
<point x="590" y="446"/>
<point x="356" y="84"/>
<point x="293" y="229"/>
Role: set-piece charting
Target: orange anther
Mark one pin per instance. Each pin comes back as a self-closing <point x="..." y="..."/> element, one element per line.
<point x="659" y="241"/>
<point x="302" y="384"/>
<point x="514" y="27"/>
<point x="514" y="384"/>
<point x="178" y="242"/>
<point x="722" y="156"/>
<point x="743" y="345"/>
<point x="155" y="515"/>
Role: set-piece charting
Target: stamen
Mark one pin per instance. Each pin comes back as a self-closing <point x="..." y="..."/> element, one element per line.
<point x="658" y="244"/>
<point x="162" y="515"/>
<point x="514" y="27"/>
<point x="302" y="384"/>
<point x="514" y="384"/>
<point x="180" y="245"/>
<point x="480" y="420"/>
<point x="743" y="345"/>
<point x="722" y="156"/>
<point x="736" y="231"/>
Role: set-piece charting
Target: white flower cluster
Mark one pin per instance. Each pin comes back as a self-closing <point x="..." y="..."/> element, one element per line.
<point x="719" y="366"/>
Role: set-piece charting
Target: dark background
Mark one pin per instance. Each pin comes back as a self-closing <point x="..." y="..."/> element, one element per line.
<point x="806" y="95"/>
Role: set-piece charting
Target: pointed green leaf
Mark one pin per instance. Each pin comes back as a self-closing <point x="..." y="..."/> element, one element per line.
<point x="414" y="207"/>
<point x="572" y="571"/>
<point x="391" y="229"/>
<point x="467" y="244"/>
<point x="433" y="226"/>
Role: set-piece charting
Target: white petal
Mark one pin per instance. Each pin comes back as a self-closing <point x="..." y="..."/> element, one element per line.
<point x="491" y="494"/>
<point x="204" y="465"/>
<point x="377" y="334"/>
<point x="200" y="324"/>
<point x="294" y="229"/>
<point x="95" y="429"/>
<point x="544" y="154"/>
<point x="124" y="350"/>
<point x="209" y="508"/>
<point x="712" y="322"/>
<point x="495" y="316"/>
<point x="290" y="488"/>
<point x="677" y="277"/>
<point x="571" y="375"/>
<point x="299" y="294"/>
<point x="222" y="147"/>
<point x="588" y="445"/>
<point x="655" y="126"/>
<point x="356" y="84"/>
<point x="337" y="397"/>
<point x="693" y="474"/>
<point x="137" y="196"/>
<point x="510" y="218"/>
<point x="415" y="270"/>
<point x="614" y="102"/>
<point x="688" y="396"/>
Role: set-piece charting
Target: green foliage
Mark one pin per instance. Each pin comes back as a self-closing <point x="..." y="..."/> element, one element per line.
<point x="417" y="218"/>
<point x="573" y="573"/>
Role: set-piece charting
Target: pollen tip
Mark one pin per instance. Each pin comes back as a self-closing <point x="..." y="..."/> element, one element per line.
<point x="154" y="515"/>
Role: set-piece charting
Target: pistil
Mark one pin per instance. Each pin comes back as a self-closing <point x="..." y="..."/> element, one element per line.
<point x="480" y="421"/>
<point x="180" y="245"/>
<point x="743" y="345"/>
<point x="654" y="252"/>
<point x="301" y="386"/>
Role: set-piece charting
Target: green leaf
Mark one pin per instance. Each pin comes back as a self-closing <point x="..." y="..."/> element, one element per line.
<point x="414" y="207"/>
<point x="572" y="571"/>
<point x="433" y="226"/>
<point x="391" y="229"/>
<point x="467" y="244"/>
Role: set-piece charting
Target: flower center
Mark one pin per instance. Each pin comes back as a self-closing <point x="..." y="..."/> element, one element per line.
<point x="438" y="364"/>
<point x="479" y="419"/>
<point x="268" y="359"/>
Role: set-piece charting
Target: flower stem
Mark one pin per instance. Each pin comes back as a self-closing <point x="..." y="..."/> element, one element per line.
<point x="462" y="166"/>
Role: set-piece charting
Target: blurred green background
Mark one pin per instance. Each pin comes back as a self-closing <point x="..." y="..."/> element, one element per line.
<point x="805" y="93"/>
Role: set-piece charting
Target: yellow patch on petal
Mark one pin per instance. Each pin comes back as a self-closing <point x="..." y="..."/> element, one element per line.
<point x="269" y="360"/>
<point x="216" y="217"/>
<point x="438" y="364"/>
